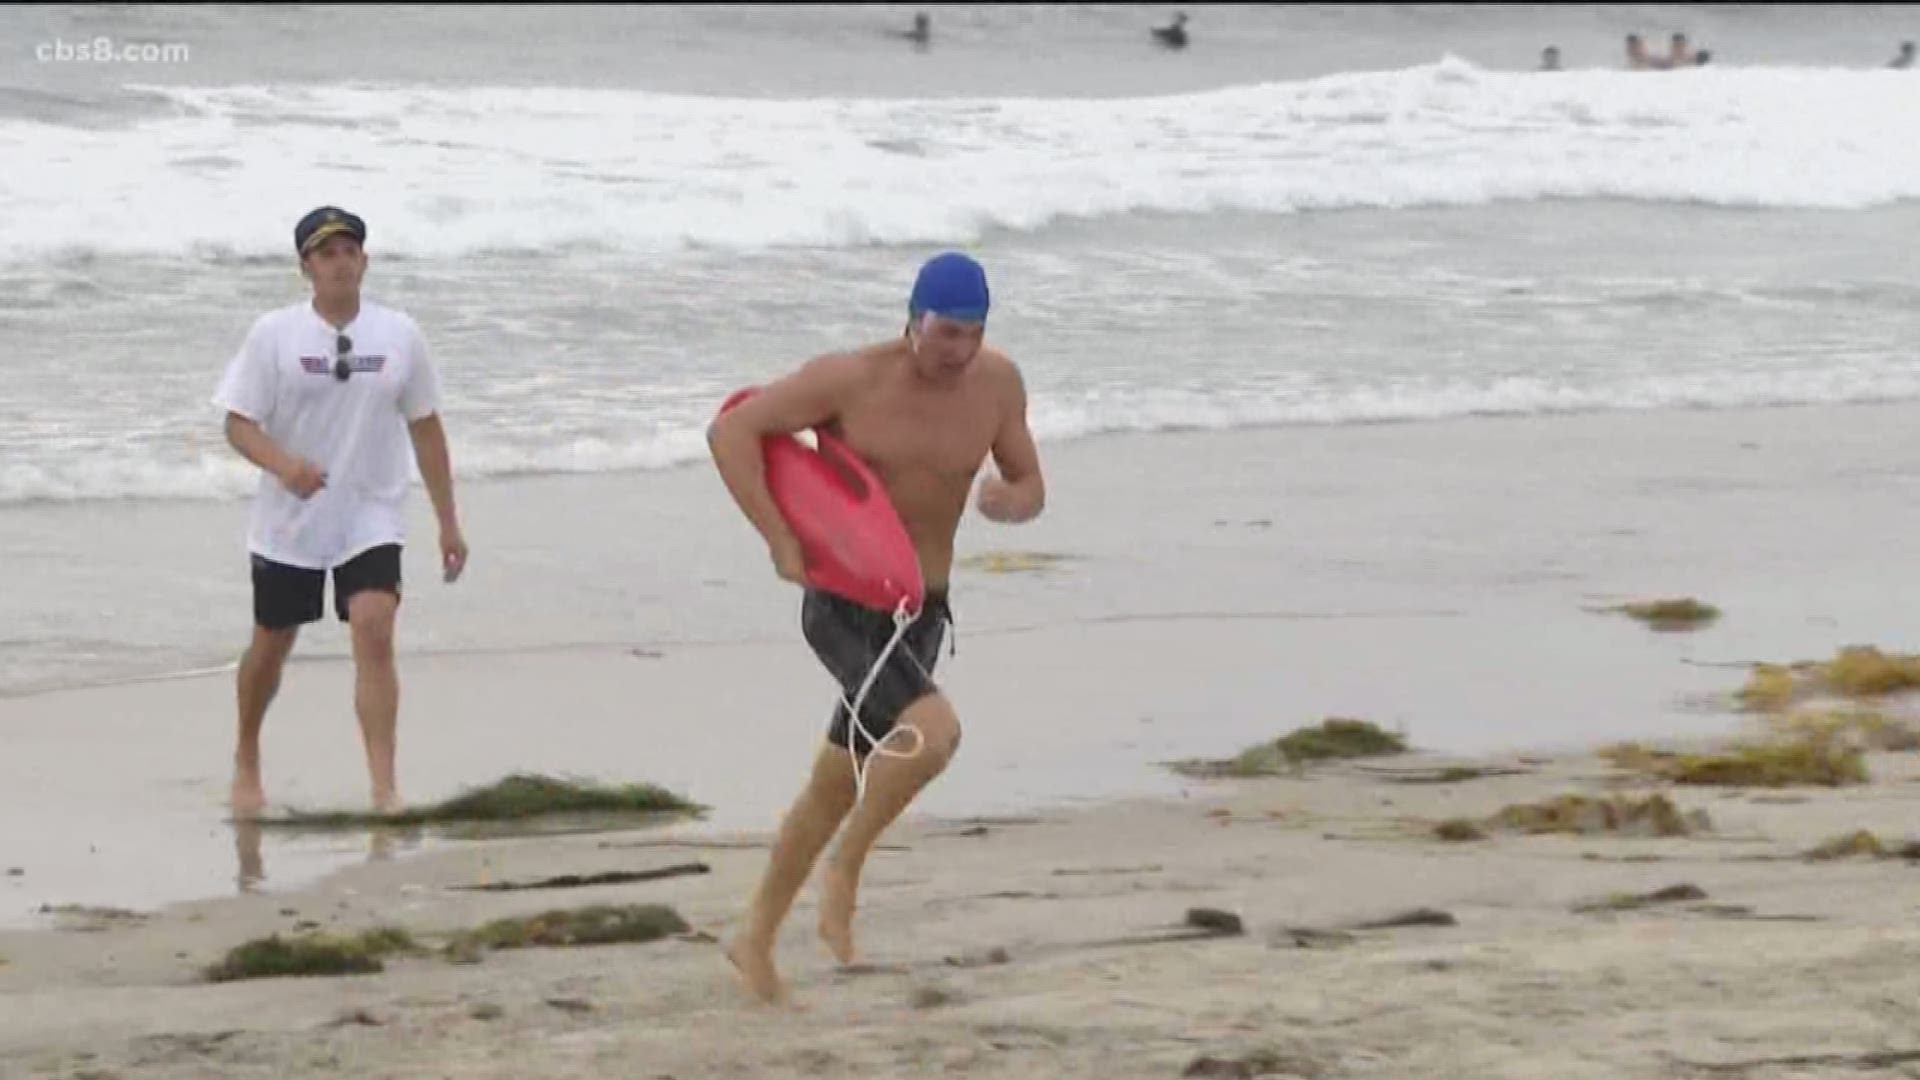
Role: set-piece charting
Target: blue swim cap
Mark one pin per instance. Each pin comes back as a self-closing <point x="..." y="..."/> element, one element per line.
<point x="952" y="286"/>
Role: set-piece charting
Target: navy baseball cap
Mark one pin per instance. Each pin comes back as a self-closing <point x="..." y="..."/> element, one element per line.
<point x="952" y="286"/>
<point x="324" y="222"/>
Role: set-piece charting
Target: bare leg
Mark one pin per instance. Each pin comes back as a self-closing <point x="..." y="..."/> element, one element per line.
<point x="256" y="684"/>
<point x="803" y="834"/>
<point x="892" y="783"/>
<point x="376" y="689"/>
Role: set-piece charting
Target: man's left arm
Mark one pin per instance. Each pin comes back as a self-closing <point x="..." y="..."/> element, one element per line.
<point x="420" y="402"/>
<point x="1019" y="493"/>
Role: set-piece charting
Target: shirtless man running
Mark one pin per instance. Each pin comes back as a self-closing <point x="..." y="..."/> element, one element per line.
<point x="924" y="411"/>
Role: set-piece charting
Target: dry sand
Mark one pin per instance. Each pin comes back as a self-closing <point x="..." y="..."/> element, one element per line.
<point x="1783" y="961"/>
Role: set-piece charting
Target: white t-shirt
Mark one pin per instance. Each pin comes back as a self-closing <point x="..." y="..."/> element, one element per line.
<point x="356" y="431"/>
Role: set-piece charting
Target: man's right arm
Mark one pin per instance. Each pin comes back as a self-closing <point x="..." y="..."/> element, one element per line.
<point x="298" y="475"/>
<point x="254" y="444"/>
<point x="247" y="393"/>
<point x="807" y="398"/>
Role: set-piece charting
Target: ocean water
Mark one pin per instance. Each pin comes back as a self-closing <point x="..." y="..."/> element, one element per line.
<point x="607" y="218"/>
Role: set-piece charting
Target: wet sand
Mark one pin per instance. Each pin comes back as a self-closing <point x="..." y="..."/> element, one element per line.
<point x="1219" y="588"/>
<point x="1053" y="945"/>
<point x="1442" y="579"/>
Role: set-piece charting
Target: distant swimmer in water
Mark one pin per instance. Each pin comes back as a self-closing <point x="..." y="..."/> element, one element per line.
<point x="1550" y="58"/>
<point x="1905" y="59"/>
<point x="1175" y="36"/>
<point x="1637" y="58"/>
<point x="922" y="32"/>
<point x="1700" y="58"/>
<point x="1679" y="53"/>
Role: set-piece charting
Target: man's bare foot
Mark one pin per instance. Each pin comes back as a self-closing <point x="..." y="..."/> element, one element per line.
<point x="755" y="966"/>
<point x="836" y="913"/>
<point x="248" y="798"/>
<point x="387" y="802"/>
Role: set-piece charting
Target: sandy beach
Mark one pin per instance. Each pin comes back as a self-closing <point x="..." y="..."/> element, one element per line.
<point x="1808" y="966"/>
<point x="1441" y="579"/>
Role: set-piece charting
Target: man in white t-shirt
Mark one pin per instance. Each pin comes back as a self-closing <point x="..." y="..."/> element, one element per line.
<point x="333" y="398"/>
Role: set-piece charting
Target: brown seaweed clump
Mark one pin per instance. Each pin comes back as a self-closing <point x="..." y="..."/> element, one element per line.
<point x="1856" y="672"/>
<point x="1863" y="844"/>
<point x="1865" y="728"/>
<point x="1770" y="688"/>
<point x="1804" y="762"/>
<point x="1582" y="815"/>
<point x="1864" y="671"/>
<point x="1459" y="830"/>
<point x="1684" y="613"/>
<point x="1652" y="817"/>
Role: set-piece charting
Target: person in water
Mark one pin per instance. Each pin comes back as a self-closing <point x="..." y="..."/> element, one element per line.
<point x="1905" y="58"/>
<point x="922" y="33"/>
<point x="1679" y="53"/>
<point x="1550" y="58"/>
<point x="1175" y="36"/>
<point x="925" y="410"/>
<point x="1637" y="58"/>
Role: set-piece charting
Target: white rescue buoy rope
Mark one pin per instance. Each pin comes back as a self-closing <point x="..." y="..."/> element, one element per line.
<point x="901" y="621"/>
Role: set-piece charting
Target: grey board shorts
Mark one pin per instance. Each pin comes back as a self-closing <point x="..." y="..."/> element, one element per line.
<point x="849" y="637"/>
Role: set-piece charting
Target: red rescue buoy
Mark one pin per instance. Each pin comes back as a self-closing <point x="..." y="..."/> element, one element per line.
<point x="854" y="543"/>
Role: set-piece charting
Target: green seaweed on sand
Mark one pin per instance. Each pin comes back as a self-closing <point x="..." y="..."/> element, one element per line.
<point x="521" y="797"/>
<point x="601" y="924"/>
<point x="1332" y="739"/>
<point x="1684" y="613"/>
<point x="323" y="953"/>
<point x="313" y="953"/>
<point x="1341" y="738"/>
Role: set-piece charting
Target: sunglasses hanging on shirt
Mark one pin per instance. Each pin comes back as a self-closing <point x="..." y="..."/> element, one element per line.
<point x="342" y="345"/>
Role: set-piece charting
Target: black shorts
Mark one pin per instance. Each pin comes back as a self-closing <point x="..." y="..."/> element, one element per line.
<point x="848" y="638"/>
<point x="288" y="596"/>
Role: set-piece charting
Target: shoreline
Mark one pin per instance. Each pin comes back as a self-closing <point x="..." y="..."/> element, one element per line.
<point x="75" y="525"/>
<point x="1068" y="443"/>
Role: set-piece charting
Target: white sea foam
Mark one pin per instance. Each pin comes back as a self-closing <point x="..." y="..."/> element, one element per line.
<point x="452" y="171"/>
<point x="108" y="472"/>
